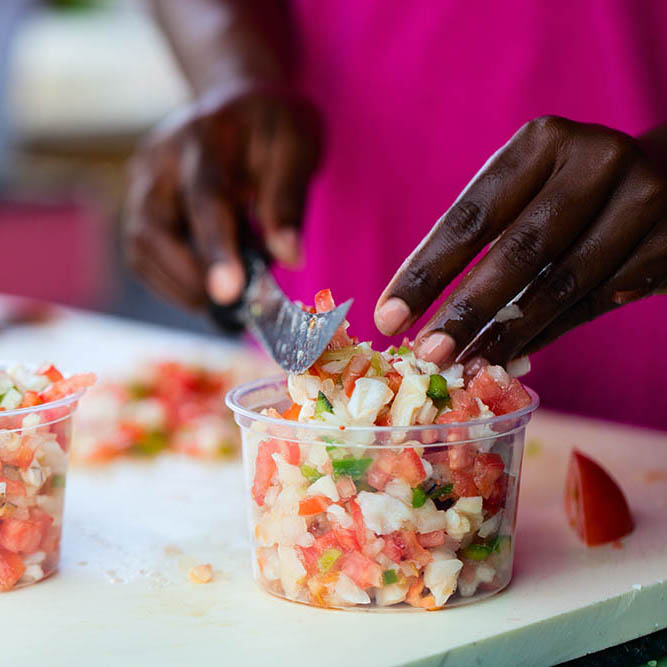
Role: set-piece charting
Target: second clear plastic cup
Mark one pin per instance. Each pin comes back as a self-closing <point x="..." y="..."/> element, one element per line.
<point x="379" y="517"/>
<point x="34" y="447"/>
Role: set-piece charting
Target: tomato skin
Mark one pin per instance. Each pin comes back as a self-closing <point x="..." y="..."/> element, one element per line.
<point x="21" y="536"/>
<point x="324" y="301"/>
<point x="51" y="372"/>
<point x="594" y="503"/>
<point x="395" y="380"/>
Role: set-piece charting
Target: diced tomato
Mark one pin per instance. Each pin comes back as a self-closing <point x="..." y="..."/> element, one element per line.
<point x="313" y="505"/>
<point x="68" y="386"/>
<point x="346" y="487"/>
<point x="11" y="569"/>
<point x="51" y="540"/>
<point x="384" y="417"/>
<point x="324" y="301"/>
<point x="487" y="469"/>
<point x="359" y="524"/>
<point x="395" y="380"/>
<point x="464" y="402"/>
<point x="438" y="455"/>
<point x="292" y="413"/>
<point x="435" y="538"/>
<point x="13" y="486"/>
<point x="309" y="557"/>
<point x="346" y="538"/>
<point x="381" y="470"/>
<point x="462" y="457"/>
<point x="20" y="536"/>
<point x="595" y="505"/>
<point x="30" y="399"/>
<point x="393" y="547"/>
<point x="361" y="569"/>
<point x="464" y="485"/>
<point x="51" y="372"/>
<point x="21" y="457"/>
<point x="501" y="393"/>
<point x="408" y="466"/>
<point x="356" y="368"/>
<point x="496" y="499"/>
<point x="265" y="466"/>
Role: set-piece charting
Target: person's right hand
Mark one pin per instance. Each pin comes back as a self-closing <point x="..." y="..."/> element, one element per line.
<point x="198" y="179"/>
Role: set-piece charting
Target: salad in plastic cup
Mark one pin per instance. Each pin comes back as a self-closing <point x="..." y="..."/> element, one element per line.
<point x="378" y="480"/>
<point x="36" y="408"/>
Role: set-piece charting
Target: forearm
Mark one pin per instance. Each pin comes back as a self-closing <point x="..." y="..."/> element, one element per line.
<point x="654" y="142"/>
<point x="229" y="45"/>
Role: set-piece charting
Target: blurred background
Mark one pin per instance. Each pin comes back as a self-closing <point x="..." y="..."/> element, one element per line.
<point x="74" y="100"/>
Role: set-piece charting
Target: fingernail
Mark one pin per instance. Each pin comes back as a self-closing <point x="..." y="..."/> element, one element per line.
<point x="285" y="246"/>
<point x="225" y="282"/>
<point x="436" y="348"/>
<point x="392" y="315"/>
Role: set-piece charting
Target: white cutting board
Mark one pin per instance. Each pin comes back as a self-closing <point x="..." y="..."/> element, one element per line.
<point x="132" y="530"/>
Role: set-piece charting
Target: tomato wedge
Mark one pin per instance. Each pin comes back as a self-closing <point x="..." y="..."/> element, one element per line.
<point x="594" y="503"/>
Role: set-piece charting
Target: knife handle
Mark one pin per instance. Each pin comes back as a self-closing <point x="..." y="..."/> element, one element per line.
<point x="230" y="318"/>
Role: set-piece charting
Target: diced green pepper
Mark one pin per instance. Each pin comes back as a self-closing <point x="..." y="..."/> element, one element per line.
<point x="391" y="350"/>
<point x="363" y="485"/>
<point x="326" y="561"/>
<point x="326" y="438"/>
<point x="441" y="491"/>
<point x="476" y="552"/>
<point x="58" y="481"/>
<point x="389" y="577"/>
<point x="404" y="349"/>
<point x="336" y="453"/>
<point x="437" y="388"/>
<point x="310" y="473"/>
<point x="150" y="444"/>
<point x="418" y="497"/>
<point x="322" y="405"/>
<point x="499" y="543"/>
<point x="354" y="468"/>
<point x="138" y="390"/>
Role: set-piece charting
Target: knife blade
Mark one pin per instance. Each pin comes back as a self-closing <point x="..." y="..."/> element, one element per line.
<point x="294" y="337"/>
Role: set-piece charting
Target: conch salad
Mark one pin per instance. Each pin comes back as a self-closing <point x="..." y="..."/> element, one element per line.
<point x="167" y="406"/>
<point x="33" y="464"/>
<point x="341" y="521"/>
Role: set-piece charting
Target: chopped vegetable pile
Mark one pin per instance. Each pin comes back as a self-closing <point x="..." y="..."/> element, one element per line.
<point x="169" y="406"/>
<point x="33" y="464"/>
<point x="341" y="521"/>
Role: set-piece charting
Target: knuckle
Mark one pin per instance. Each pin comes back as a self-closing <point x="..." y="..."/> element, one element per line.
<point x="466" y="222"/>
<point x="545" y="127"/>
<point x="614" y="148"/>
<point x="421" y="280"/>
<point x="522" y="248"/>
<point x="562" y="286"/>
<point x="651" y="192"/>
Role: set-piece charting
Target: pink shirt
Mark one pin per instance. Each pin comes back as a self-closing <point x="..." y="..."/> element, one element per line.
<point x="416" y="96"/>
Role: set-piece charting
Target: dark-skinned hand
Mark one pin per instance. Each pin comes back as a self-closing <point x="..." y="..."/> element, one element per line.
<point x="577" y="218"/>
<point x="202" y="175"/>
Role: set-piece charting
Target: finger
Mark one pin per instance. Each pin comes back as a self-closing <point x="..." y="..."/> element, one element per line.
<point x="287" y="161"/>
<point x="564" y="208"/>
<point x="213" y="219"/>
<point x="154" y="247"/>
<point x="490" y="202"/>
<point x="621" y="226"/>
<point x="642" y="275"/>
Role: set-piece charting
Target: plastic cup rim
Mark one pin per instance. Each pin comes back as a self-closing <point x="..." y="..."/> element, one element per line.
<point x="232" y="402"/>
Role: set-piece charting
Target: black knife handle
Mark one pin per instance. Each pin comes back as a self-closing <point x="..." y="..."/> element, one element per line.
<point x="230" y="318"/>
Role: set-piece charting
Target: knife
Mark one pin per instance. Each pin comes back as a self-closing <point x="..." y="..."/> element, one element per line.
<point x="294" y="337"/>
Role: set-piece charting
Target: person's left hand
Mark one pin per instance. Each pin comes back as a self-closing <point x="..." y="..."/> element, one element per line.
<point x="579" y="217"/>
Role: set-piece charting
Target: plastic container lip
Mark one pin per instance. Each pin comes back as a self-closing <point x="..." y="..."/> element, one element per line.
<point x="233" y="396"/>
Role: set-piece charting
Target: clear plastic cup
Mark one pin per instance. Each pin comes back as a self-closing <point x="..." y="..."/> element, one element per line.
<point x="379" y="517"/>
<point x="34" y="447"/>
